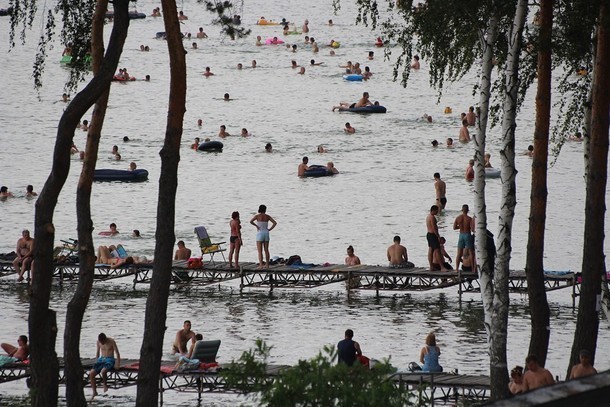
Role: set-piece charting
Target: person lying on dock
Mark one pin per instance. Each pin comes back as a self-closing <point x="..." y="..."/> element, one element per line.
<point x="19" y="352"/>
<point x="108" y="254"/>
<point x="106" y="349"/>
<point x="182" y="338"/>
<point x="129" y="260"/>
<point x="397" y="255"/>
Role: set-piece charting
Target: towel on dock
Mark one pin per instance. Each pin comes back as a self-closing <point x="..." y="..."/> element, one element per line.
<point x="7" y="360"/>
<point x="557" y="272"/>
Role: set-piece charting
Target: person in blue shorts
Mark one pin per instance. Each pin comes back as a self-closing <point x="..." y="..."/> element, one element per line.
<point x="106" y="350"/>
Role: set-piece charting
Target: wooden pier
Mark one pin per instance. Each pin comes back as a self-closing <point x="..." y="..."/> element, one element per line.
<point x="434" y="387"/>
<point x="280" y="276"/>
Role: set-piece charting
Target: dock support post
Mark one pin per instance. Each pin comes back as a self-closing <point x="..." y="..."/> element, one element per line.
<point x="241" y="276"/>
<point x="574" y="291"/>
<point x="160" y="390"/>
<point x="377" y="286"/>
<point x="348" y="283"/>
<point x="460" y="281"/>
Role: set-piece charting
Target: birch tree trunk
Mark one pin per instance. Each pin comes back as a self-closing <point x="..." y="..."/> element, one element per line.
<point x="484" y="264"/>
<point x="593" y="259"/>
<point x="534" y="265"/>
<point x="156" y="304"/>
<point x="499" y="322"/>
<point x="78" y="304"/>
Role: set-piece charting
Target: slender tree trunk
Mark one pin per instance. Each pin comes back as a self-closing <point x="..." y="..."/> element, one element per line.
<point x="593" y="258"/>
<point x="42" y="328"/>
<point x="77" y="306"/>
<point x="156" y="304"/>
<point x="534" y="265"/>
<point x="499" y="322"/>
<point x="484" y="263"/>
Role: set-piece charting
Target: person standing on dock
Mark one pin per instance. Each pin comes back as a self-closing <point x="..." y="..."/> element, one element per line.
<point x="106" y="349"/>
<point x="536" y="376"/>
<point x="182" y="338"/>
<point x="441" y="190"/>
<point x="464" y="224"/>
<point x="235" y="239"/>
<point x="434" y="240"/>
<point x="397" y="255"/>
<point x="348" y="350"/>
<point x="261" y="222"/>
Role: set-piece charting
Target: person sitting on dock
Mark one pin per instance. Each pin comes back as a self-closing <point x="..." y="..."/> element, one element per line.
<point x="24" y="251"/>
<point x="429" y="355"/>
<point x="182" y="338"/>
<point x="536" y="376"/>
<point x="182" y="253"/>
<point x="198" y="338"/>
<point x="516" y="380"/>
<point x="348" y="350"/>
<point x="397" y="255"/>
<point x="20" y="352"/>
<point x="106" y="349"/>
<point x="444" y="255"/>
<point x="351" y="259"/>
<point x="584" y="368"/>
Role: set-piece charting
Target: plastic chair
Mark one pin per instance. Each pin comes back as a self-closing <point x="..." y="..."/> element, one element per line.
<point x="206" y="245"/>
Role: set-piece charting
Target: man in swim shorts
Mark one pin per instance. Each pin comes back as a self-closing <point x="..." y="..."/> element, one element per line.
<point x="106" y="349"/>
<point x="463" y="223"/>
<point x="364" y="101"/>
<point x="25" y="254"/>
<point x="441" y="190"/>
<point x="434" y="242"/>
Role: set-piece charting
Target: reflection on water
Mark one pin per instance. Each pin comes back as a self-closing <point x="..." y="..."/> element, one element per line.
<point x="385" y="188"/>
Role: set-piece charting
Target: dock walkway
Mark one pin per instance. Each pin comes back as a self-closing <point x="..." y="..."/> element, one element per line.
<point x="434" y="387"/>
<point x="361" y="277"/>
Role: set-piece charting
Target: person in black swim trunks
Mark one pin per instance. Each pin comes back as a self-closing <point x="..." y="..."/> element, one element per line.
<point x="441" y="189"/>
<point x="434" y="243"/>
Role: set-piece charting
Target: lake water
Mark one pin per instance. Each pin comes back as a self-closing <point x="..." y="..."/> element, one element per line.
<point x="385" y="188"/>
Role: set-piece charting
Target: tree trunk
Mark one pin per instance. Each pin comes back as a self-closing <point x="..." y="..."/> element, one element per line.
<point x="42" y="328"/>
<point x="499" y="321"/>
<point x="534" y="266"/>
<point x="484" y="263"/>
<point x="593" y="258"/>
<point x="156" y="304"/>
<point x="77" y="306"/>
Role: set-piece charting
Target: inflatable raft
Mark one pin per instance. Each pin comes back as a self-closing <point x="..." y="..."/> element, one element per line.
<point x="211" y="146"/>
<point x="267" y="22"/>
<point x="367" y="109"/>
<point x="316" y="171"/>
<point x="6" y="11"/>
<point x="133" y="15"/>
<point x="274" y="41"/>
<point x="120" y="175"/>
<point x="118" y="78"/>
<point x="353" y="77"/>
<point x="492" y="173"/>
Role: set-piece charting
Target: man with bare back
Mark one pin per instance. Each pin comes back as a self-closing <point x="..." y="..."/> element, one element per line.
<point x="536" y="376"/>
<point x="182" y="338"/>
<point x="463" y="223"/>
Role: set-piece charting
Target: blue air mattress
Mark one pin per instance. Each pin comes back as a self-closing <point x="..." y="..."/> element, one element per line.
<point x="353" y="78"/>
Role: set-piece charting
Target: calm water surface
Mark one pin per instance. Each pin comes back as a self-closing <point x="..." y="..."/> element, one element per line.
<point x="385" y="188"/>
